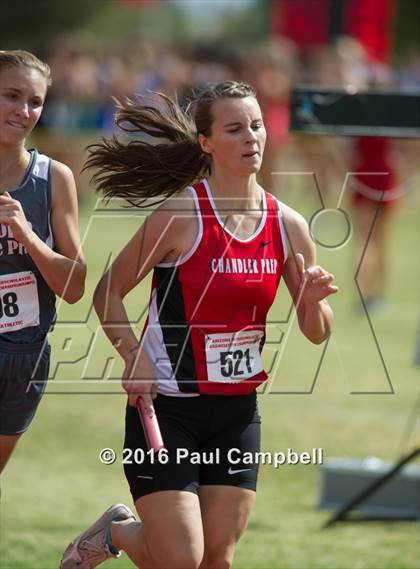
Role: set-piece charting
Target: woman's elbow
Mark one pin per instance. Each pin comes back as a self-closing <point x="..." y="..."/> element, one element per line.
<point x="100" y="294"/>
<point x="316" y="336"/>
<point x="317" y="340"/>
<point x="77" y="288"/>
<point x="72" y="298"/>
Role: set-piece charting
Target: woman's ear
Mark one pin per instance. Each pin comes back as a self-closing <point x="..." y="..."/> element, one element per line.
<point x="205" y="144"/>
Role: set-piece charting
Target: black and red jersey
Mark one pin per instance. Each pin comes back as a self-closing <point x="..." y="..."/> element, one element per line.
<point x="207" y="314"/>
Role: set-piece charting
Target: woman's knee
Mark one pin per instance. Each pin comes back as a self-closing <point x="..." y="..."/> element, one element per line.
<point x="183" y="556"/>
<point x="217" y="560"/>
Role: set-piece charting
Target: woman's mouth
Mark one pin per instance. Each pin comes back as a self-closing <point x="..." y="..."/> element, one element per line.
<point x="16" y="125"/>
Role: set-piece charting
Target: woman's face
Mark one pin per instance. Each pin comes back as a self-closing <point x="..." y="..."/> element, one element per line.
<point x="22" y="96"/>
<point x="237" y="140"/>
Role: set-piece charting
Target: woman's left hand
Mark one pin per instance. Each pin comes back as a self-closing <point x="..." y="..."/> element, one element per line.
<point x="11" y="214"/>
<point x="316" y="282"/>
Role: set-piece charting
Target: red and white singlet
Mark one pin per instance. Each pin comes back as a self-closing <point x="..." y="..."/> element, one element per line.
<point x="206" y="324"/>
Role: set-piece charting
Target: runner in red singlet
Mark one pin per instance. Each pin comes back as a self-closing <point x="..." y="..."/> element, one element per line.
<point x="375" y="198"/>
<point x="218" y="247"/>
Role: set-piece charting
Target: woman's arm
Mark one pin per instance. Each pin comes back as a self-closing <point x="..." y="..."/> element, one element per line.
<point x="164" y="235"/>
<point x="64" y="268"/>
<point x="308" y="283"/>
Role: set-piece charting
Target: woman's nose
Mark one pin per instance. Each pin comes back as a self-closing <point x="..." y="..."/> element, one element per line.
<point x="23" y="110"/>
<point x="251" y="135"/>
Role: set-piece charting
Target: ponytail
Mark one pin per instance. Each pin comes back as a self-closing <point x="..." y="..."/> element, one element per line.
<point x="138" y="170"/>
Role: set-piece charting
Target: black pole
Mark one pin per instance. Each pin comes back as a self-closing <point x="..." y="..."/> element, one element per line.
<point x="336" y="25"/>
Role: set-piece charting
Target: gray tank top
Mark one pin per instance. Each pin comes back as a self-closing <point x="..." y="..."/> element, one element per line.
<point x="27" y="304"/>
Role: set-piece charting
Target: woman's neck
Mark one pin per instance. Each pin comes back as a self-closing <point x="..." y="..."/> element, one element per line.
<point x="14" y="162"/>
<point x="233" y="192"/>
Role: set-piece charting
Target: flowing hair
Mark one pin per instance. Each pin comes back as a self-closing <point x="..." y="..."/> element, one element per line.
<point x="141" y="168"/>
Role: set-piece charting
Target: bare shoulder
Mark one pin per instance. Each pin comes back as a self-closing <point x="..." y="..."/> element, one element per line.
<point x="182" y="201"/>
<point x="297" y="231"/>
<point x="293" y="219"/>
<point x="63" y="185"/>
<point x="177" y="210"/>
<point x="64" y="212"/>
<point x="60" y="171"/>
<point x="177" y="217"/>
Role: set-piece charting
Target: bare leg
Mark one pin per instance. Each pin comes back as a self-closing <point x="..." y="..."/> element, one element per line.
<point x="170" y="535"/>
<point x="381" y="240"/>
<point x="225" y="511"/>
<point x="7" y="445"/>
<point x="366" y="245"/>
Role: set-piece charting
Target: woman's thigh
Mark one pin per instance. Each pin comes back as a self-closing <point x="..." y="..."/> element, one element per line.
<point x="225" y="511"/>
<point x="7" y="445"/>
<point x="173" y="531"/>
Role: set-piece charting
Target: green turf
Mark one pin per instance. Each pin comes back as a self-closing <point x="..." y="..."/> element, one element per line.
<point x="55" y="484"/>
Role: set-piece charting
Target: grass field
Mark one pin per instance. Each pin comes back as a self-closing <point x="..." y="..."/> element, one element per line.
<point x="55" y="484"/>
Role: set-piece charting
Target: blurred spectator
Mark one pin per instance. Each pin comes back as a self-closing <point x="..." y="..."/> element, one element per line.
<point x="272" y="70"/>
<point x="408" y="70"/>
<point x="328" y="66"/>
<point x="374" y="193"/>
<point x="88" y="73"/>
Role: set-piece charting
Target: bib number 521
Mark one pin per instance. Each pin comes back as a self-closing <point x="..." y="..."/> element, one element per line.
<point x="232" y="363"/>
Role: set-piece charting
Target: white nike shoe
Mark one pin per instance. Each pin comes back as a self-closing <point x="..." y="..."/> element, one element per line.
<point x="90" y="549"/>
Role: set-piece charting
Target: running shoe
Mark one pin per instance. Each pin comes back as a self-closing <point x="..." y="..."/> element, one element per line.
<point x="90" y="548"/>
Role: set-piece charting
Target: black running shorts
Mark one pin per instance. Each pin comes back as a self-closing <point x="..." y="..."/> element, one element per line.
<point x="23" y="376"/>
<point x="205" y="439"/>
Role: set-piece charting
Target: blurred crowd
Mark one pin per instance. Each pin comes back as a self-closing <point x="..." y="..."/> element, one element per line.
<point x="88" y="74"/>
<point x="85" y="77"/>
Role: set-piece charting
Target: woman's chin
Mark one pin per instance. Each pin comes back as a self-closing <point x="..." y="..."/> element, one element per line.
<point x="242" y="170"/>
<point x="11" y="141"/>
<point x="252" y="169"/>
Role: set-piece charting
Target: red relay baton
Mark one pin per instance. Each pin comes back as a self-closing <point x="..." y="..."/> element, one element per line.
<point x="151" y="427"/>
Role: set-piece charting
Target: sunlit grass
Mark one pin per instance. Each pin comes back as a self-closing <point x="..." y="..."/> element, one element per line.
<point x="55" y="484"/>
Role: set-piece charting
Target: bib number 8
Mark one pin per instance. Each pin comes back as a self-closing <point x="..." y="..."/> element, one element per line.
<point x="8" y="305"/>
<point x="231" y="362"/>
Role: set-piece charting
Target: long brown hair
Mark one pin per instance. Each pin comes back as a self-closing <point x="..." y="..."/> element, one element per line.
<point x="140" y="168"/>
<point x="21" y="58"/>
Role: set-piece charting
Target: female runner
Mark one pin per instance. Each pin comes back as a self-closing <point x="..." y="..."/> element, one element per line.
<point x="40" y="253"/>
<point x="218" y="249"/>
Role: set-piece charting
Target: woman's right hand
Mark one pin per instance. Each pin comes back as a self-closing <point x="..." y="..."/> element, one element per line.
<point x="139" y="380"/>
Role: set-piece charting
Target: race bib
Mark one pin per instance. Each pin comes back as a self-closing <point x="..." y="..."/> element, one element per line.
<point x="234" y="356"/>
<point x="19" y="304"/>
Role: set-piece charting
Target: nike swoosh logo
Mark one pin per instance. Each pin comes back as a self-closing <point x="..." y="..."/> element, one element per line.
<point x="231" y="471"/>
<point x="147" y="477"/>
<point x="265" y="243"/>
